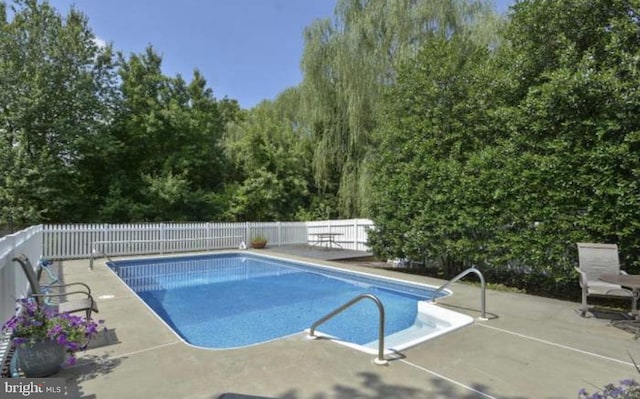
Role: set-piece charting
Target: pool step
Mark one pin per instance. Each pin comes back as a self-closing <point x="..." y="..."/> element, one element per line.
<point x="401" y="338"/>
<point x="431" y="322"/>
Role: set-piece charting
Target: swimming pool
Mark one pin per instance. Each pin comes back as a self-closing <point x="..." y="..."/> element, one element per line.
<point x="238" y="299"/>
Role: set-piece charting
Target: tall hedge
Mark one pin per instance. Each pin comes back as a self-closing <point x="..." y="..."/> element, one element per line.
<point x="506" y="157"/>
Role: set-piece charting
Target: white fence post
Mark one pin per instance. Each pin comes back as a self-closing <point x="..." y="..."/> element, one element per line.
<point x="356" y="244"/>
<point x="162" y="238"/>
<point x="279" y="225"/>
<point x="208" y="237"/>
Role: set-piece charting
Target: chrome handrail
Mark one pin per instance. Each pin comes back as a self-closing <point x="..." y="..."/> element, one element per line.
<point x="483" y="294"/>
<point x="95" y="252"/>
<point x="380" y="359"/>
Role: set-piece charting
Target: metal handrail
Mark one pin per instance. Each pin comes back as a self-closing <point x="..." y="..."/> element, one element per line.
<point x="483" y="294"/>
<point x="94" y="253"/>
<point x="380" y="359"/>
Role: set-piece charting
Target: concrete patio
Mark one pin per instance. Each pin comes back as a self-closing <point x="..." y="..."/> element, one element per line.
<point x="531" y="347"/>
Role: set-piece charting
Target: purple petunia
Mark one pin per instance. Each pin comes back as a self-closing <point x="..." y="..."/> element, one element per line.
<point x="628" y="389"/>
<point x="34" y="323"/>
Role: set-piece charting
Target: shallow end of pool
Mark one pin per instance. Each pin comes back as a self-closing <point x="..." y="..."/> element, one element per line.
<point x="432" y="321"/>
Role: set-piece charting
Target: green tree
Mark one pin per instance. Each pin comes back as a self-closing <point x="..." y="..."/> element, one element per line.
<point x="270" y="151"/>
<point x="573" y="67"/>
<point x="428" y="199"/>
<point x="348" y="61"/>
<point x="55" y="93"/>
<point x="510" y="157"/>
<point x="165" y="157"/>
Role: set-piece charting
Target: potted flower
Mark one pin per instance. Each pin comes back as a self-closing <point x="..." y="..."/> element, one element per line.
<point x="258" y="242"/>
<point x="43" y="337"/>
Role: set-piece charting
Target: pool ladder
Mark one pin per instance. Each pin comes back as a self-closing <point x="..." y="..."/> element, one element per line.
<point x="380" y="360"/>
<point x="483" y="285"/>
<point x="94" y="254"/>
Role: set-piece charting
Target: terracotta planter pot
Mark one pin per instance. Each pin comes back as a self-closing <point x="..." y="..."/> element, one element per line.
<point x="258" y="244"/>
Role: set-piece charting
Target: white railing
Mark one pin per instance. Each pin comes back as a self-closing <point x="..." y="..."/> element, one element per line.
<point x="13" y="282"/>
<point x="77" y="241"/>
<point x="81" y="240"/>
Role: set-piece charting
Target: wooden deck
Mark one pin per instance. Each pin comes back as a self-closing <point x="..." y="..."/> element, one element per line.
<point x="318" y="252"/>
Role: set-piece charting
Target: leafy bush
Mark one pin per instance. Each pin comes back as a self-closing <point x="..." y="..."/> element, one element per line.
<point x="508" y="158"/>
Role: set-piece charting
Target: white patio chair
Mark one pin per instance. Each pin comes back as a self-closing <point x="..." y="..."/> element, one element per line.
<point x="595" y="260"/>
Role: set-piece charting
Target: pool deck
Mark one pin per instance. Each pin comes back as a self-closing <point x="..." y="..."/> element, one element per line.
<point x="531" y="347"/>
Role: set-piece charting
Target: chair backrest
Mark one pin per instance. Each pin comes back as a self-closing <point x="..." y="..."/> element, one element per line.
<point x="598" y="259"/>
<point x="32" y="277"/>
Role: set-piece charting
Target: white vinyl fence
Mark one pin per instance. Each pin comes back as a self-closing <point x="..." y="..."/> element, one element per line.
<point x="82" y="240"/>
<point x="13" y="282"/>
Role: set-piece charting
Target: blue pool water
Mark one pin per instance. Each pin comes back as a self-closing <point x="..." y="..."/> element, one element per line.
<point x="239" y="299"/>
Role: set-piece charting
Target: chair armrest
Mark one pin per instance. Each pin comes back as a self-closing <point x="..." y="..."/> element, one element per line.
<point x="91" y="307"/>
<point x="63" y="294"/>
<point x="69" y="285"/>
<point x="583" y="277"/>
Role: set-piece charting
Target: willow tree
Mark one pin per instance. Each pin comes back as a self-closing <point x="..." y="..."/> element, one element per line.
<point x="347" y="62"/>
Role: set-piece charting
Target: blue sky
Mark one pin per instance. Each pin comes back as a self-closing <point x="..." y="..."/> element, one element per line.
<point x="248" y="50"/>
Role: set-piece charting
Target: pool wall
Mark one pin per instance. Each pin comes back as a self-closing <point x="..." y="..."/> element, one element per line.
<point x="140" y="268"/>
